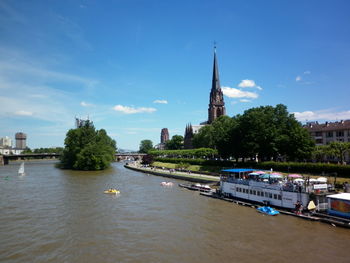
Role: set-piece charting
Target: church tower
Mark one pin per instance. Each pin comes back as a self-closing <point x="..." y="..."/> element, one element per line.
<point x="216" y="100"/>
<point x="188" y="137"/>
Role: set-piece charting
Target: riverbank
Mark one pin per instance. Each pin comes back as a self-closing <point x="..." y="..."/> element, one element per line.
<point x="170" y="173"/>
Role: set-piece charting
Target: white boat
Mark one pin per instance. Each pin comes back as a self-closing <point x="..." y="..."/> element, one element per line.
<point x="268" y="189"/>
<point x="21" y="169"/>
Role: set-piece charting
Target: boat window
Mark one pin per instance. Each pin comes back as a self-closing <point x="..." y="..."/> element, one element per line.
<point x="274" y="196"/>
<point x="279" y="197"/>
<point x="254" y="192"/>
<point x="251" y="191"/>
<point x="266" y="194"/>
<point x="270" y="195"/>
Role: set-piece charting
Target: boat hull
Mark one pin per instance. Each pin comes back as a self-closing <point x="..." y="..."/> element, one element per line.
<point x="263" y="194"/>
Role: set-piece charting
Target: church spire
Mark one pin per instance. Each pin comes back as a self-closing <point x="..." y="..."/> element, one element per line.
<point x="216" y="100"/>
<point x="216" y="81"/>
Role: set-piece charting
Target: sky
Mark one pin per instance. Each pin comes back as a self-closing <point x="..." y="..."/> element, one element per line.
<point x="134" y="67"/>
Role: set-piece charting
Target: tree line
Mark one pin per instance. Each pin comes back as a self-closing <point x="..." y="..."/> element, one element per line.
<point x="263" y="133"/>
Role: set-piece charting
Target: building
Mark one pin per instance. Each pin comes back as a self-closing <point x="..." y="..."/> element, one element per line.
<point x="216" y="99"/>
<point x="324" y="133"/>
<point x="164" y="135"/>
<point x="80" y="122"/>
<point x="216" y="106"/>
<point x="329" y="131"/>
<point x="21" y="140"/>
<point x="6" y="142"/>
<point x="188" y="137"/>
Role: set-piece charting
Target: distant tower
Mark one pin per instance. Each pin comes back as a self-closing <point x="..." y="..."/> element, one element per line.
<point x="21" y="140"/>
<point x="188" y="137"/>
<point x="80" y="122"/>
<point x="216" y="100"/>
<point x="164" y="135"/>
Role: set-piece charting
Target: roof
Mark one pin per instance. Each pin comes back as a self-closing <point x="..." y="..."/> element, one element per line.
<point x="328" y="126"/>
<point x="343" y="196"/>
<point x="238" y="170"/>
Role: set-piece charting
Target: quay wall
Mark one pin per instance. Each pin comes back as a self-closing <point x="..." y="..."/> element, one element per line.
<point x="192" y="178"/>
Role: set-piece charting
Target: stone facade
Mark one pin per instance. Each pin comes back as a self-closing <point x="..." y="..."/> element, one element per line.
<point x="164" y="135"/>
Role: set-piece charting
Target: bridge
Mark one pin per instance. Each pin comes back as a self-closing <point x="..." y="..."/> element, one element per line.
<point x="4" y="159"/>
<point x="132" y="156"/>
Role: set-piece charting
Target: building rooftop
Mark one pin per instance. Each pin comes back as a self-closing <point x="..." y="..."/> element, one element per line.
<point x="328" y="126"/>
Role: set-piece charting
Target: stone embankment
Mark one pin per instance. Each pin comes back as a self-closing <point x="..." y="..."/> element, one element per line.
<point x="171" y="173"/>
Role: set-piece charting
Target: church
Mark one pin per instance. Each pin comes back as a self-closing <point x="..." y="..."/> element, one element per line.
<point x="215" y="110"/>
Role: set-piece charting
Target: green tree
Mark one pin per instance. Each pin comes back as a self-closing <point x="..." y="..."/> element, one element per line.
<point x="271" y="133"/>
<point x="176" y="143"/>
<point x="338" y="150"/>
<point x="204" y="138"/>
<point x="145" y="146"/>
<point x="222" y="128"/>
<point x="88" y="149"/>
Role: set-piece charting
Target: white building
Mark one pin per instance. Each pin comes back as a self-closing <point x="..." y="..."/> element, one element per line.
<point x="5" y="141"/>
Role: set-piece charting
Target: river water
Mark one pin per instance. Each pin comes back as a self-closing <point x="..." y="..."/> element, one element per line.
<point x="53" y="215"/>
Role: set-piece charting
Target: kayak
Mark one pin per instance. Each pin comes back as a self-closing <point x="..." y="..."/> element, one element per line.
<point x="268" y="210"/>
<point x="112" y="191"/>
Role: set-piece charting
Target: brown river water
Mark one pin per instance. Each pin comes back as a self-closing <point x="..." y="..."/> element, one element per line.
<point x="53" y="215"/>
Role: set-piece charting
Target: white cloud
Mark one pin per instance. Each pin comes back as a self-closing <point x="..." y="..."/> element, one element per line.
<point x="23" y="113"/>
<point x="259" y="88"/>
<point x="247" y="83"/>
<point x="307" y="72"/>
<point x="85" y="104"/>
<point x="245" y="100"/>
<point x="132" y="110"/>
<point x="326" y="115"/>
<point x="161" y="101"/>
<point x="298" y="78"/>
<point x="237" y="93"/>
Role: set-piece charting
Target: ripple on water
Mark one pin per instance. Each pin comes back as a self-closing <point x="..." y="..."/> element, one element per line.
<point x="54" y="215"/>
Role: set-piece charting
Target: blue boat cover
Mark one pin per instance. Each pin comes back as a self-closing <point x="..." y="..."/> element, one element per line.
<point x="239" y="170"/>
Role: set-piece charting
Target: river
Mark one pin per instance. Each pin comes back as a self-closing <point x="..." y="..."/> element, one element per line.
<point x="54" y="215"/>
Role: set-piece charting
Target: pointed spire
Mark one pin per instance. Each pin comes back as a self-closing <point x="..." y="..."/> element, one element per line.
<point x="215" y="81"/>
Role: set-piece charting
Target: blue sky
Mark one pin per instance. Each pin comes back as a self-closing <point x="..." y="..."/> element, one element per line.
<point x="135" y="67"/>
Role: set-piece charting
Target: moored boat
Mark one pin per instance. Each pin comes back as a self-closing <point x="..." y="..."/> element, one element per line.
<point x="267" y="210"/>
<point x="271" y="189"/>
<point x="197" y="187"/>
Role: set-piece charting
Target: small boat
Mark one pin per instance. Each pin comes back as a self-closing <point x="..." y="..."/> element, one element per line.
<point x="197" y="187"/>
<point x="268" y="210"/>
<point x="166" y="184"/>
<point x="21" y="169"/>
<point x="112" y="191"/>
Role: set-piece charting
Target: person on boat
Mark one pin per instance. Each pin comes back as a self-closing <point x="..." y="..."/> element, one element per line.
<point x="298" y="207"/>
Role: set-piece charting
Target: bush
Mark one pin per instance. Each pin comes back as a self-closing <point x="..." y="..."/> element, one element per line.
<point x="291" y="167"/>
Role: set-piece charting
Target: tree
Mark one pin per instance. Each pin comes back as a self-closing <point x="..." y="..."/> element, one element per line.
<point x="176" y="143"/>
<point x="145" y="146"/>
<point x="87" y="149"/>
<point x="271" y="133"/>
<point x="204" y="138"/>
<point x="222" y="128"/>
<point x="338" y="150"/>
